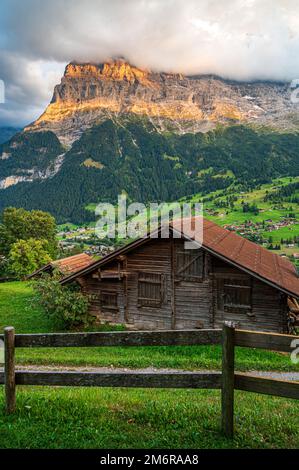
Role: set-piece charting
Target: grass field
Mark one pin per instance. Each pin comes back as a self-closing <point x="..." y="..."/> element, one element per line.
<point x="257" y="196"/>
<point x="268" y="210"/>
<point x="150" y="419"/>
<point x="136" y="418"/>
<point x="18" y="308"/>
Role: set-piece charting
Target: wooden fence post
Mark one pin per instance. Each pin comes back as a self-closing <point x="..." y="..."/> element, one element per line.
<point x="9" y="371"/>
<point x="228" y="364"/>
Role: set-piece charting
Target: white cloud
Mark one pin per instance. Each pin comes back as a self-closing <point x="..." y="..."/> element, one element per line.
<point x="239" y="39"/>
<point x="28" y="87"/>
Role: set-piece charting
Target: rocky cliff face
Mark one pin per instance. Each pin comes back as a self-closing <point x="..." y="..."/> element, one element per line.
<point x="90" y="93"/>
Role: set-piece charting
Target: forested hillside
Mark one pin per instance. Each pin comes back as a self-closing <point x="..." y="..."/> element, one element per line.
<point x="134" y="157"/>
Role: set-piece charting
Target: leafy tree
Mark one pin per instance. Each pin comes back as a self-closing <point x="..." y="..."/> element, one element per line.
<point x="26" y="256"/>
<point x="19" y="224"/>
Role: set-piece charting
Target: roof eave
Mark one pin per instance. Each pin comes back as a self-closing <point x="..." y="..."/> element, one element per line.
<point x="40" y="270"/>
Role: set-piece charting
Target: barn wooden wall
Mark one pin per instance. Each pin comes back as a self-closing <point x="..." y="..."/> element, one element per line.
<point x="267" y="302"/>
<point x="192" y="299"/>
<point x="93" y="286"/>
<point x="155" y="256"/>
<point x="193" y="305"/>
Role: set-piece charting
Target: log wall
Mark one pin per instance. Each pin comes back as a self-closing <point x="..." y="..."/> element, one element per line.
<point x="186" y="304"/>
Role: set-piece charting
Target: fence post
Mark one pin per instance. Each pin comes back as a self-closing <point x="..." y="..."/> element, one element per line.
<point x="228" y="364"/>
<point x="9" y="371"/>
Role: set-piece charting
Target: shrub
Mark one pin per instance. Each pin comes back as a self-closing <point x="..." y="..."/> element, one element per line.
<point x="66" y="305"/>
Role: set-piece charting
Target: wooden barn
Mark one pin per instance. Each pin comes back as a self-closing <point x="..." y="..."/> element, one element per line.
<point x="158" y="283"/>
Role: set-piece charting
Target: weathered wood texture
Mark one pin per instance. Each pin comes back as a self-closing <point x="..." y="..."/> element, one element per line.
<point x="123" y="379"/>
<point x="120" y="338"/>
<point x="153" y="257"/>
<point x="228" y="366"/>
<point x="94" y="287"/>
<point x="9" y="369"/>
<point x="192" y="291"/>
<point x="279" y="388"/>
<point x="243" y="338"/>
<point x="271" y="341"/>
<point x="192" y="298"/>
<point x="267" y="311"/>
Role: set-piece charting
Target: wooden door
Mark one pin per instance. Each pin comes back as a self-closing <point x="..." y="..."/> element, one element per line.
<point x="191" y="289"/>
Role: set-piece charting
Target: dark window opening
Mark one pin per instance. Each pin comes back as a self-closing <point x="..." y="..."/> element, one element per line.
<point x="234" y="295"/>
<point x="109" y="300"/>
<point x="190" y="265"/>
<point x="150" y="289"/>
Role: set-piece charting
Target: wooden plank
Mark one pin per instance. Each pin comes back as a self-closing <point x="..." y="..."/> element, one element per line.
<point x="122" y="379"/>
<point x="227" y="396"/>
<point x="9" y="369"/>
<point x="121" y="338"/>
<point x="271" y="341"/>
<point x="267" y="386"/>
<point x="172" y="281"/>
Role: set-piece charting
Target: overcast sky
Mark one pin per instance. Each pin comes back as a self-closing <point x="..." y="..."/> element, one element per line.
<point x="240" y="39"/>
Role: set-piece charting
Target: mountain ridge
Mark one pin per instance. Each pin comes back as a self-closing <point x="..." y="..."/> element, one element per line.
<point x="90" y="93"/>
<point x="114" y="128"/>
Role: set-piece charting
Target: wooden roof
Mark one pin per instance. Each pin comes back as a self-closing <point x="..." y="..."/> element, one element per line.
<point x="72" y="264"/>
<point x="232" y="248"/>
<point x="249" y="256"/>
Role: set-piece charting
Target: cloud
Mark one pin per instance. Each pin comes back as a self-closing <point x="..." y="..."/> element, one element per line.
<point x="28" y="87"/>
<point x="238" y="39"/>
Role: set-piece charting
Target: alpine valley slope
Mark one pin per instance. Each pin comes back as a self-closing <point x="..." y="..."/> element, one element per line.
<point x="113" y="127"/>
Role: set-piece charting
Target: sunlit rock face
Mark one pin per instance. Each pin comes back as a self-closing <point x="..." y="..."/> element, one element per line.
<point x="89" y="93"/>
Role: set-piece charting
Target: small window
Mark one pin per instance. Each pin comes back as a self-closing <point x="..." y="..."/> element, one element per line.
<point x="109" y="300"/>
<point x="234" y="296"/>
<point x="190" y="265"/>
<point x="150" y="289"/>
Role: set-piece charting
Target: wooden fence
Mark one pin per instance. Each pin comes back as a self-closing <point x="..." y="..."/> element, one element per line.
<point x="227" y="380"/>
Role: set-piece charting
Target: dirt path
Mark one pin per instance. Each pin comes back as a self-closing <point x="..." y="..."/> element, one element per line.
<point x="294" y="376"/>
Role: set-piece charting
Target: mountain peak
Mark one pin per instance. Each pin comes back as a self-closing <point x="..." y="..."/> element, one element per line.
<point x="113" y="69"/>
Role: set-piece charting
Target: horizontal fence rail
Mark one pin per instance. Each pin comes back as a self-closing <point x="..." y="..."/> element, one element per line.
<point x="243" y="338"/>
<point x="121" y="379"/>
<point x="270" y="341"/>
<point x="227" y="380"/>
<point x="267" y="386"/>
<point x="119" y="338"/>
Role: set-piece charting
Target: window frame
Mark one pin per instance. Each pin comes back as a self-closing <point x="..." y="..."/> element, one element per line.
<point x="234" y="283"/>
<point x="106" y="292"/>
<point x="198" y="254"/>
<point x="151" y="302"/>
